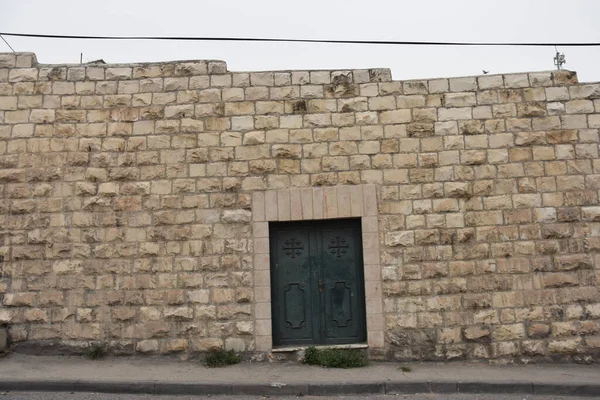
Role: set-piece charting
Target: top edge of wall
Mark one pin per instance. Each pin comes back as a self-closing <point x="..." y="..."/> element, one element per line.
<point x="203" y="67"/>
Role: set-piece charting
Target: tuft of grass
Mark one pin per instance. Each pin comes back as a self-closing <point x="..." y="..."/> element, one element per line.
<point x="404" y="368"/>
<point x="335" y="358"/>
<point x="221" y="358"/>
<point x="96" y="351"/>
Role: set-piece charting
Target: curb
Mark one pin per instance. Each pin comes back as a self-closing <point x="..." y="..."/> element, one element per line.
<point x="313" y="389"/>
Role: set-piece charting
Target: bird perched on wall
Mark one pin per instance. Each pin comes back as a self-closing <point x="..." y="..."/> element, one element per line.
<point x="485" y="72"/>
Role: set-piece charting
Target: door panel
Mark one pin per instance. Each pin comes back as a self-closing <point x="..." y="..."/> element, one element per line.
<point x="291" y="288"/>
<point x="317" y="283"/>
<point x="342" y="276"/>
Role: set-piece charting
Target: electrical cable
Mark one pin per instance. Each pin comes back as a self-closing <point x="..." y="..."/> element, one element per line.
<point x="331" y="41"/>
<point x="7" y="43"/>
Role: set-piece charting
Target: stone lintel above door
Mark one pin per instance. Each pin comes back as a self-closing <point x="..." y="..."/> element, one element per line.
<point x="316" y="203"/>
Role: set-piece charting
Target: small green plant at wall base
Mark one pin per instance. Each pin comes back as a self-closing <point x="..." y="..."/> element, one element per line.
<point x="335" y="358"/>
<point x="96" y="351"/>
<point x="221" y="358"/>
<point x="404" y="368"/>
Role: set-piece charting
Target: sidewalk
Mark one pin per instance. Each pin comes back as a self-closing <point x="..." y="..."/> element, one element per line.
<point x="143" y="375"/>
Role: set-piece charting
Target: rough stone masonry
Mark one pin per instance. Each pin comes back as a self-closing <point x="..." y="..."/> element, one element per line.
<point x="135" y="202"/>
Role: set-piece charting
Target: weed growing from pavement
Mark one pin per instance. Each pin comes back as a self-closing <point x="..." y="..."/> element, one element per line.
<point x="221" y="358"/>
<point x="96" y="351"/>
<point x="404" y="368"/>
<point x="335" y="358"/>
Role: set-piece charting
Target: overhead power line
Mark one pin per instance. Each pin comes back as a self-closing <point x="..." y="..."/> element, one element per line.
<point x="7" y="43"/>
<point x="333" y="41"/>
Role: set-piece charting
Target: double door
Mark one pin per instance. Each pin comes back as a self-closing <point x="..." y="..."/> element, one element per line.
<point x="317" y="283"/>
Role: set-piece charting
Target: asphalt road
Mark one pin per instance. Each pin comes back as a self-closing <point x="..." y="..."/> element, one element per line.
<point x="100" y="396"/>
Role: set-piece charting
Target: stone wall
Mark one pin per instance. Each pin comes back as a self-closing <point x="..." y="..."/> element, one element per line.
<point x="126" y="205"/>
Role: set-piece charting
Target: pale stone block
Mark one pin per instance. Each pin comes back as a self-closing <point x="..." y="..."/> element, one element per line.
<point x="260" y="230"/>
<point x="375" y="322"/>
<point x="263" y="327"/>
<point x="217" y="67"/>
<point x="344" y="201"/>
<point x="395" y="117"/>
<point x="557" y="93"/>
<point x="218" y="80"/>
<point x="283" y="205"/>
<point x="118" y="73"/>
<point x="575" y="121"/>
<point x="23" y="75"/>
<point x="540" y="79"/>
<point x="271" y="211"/>
<point x="490" y="82"/>
<point x="283" y="78"/>
<point x="262" y="79"/>
<point x="284" y="92"/>
<point x="300" y="77"/>
<point x="370" y="240"/>
<point x="262" y="310"/>
<point x="147" y="346"/>
<point x="295" y="205"/>
<point x="330" y="204"/>
<point x="306" y="199"/>
<point x="584" y="91"/>
<point x="257" y="93"/>
<point x="320" y="77"/>
<point x="482" y="112"/>
<point x="261" y="245"/>
<point x="356" y="201"/>
<point x="370" y="200"/>
<point x="463" y="84"/>
<point x="264" y="343"/>
<point x="262" y="262"/>
<point x="381" y="103"/>
<point x="262" y="294"/>
<point x="318" y="202"/>
<point x="464" y="99"/>
<point x="516" y="81"/>
<point x="454" y="114"/>
<point x="579" y="107"/>
<point x="438" y="86"/>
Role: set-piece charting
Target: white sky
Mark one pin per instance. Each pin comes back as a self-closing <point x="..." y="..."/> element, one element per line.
<point x="417" y="20"/>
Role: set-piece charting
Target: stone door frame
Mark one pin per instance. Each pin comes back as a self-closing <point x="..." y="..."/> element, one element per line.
<point x="316" y="203"/>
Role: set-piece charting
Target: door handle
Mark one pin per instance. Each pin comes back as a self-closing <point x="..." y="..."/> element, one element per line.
<point x="321" y="287"/>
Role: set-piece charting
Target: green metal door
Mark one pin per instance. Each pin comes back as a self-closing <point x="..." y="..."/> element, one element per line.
<point x="317" y="287"/>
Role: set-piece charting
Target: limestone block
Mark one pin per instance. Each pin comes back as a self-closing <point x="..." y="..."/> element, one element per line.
<point x="516" y="81"/>
<point x="236" y="216"/>
<point x="235" y="344"/>
<point x="532" y="109"/>
<point x="465" y="99"/>
<point x="477" y="334"/>
<point x="6" y="316"/>
<point x="8" y="60"/>
<point x="207" y="344"/>
<point x="23" y="75"/>
<point x="508" y="332"/>
<point x="147" y="346"/>
<point x="179" y="313"/>
<point x="463" y="84"/>
<point x="490" y="82"/>
<point x="564" y="77"/>
<point x="402" y="238"/>
<point x="568" y="346"/>
<point x="593" y="342"/>
<point x="454" y="114"/>
<point x="174" y="346"/>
